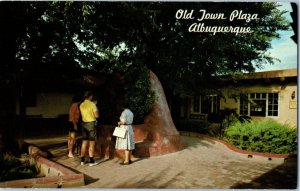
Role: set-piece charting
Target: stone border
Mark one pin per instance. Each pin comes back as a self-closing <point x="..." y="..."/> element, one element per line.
<point x="57" y="176"/>
<point x="267" y="155"/>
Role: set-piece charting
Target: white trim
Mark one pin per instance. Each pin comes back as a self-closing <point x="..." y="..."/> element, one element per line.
<point x="267" y="104"/>
<point x="211" y="109"/>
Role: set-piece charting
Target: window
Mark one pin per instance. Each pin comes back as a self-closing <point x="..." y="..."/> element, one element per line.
<point x="214" y="104"/>
<point x="273" y="104"/>
<point x="196" y="105"/>
<point x="260" y="104"/>
<point x="244" y="104"/>
<point x="258" y="108"/>
<point x="206" y="104"/>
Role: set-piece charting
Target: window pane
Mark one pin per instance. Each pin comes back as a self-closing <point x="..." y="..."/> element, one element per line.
<point x="263" y="95"/>
<point x="243" y="104"/>
<point x="257" y="95"/>
<point x="259" y="108"/>
<point x="273" y="104"/>
<point x="271" y="96"/>
<point x="252" y="95"/>
<point x="196" y="104"/>
<point x="214" y="98"/>
<point x="214" y="104"/>
<point x="205" y="105"/>
<point x="270" y="107"/>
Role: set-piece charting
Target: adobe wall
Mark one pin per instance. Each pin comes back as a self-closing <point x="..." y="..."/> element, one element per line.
<point x="50" y="105"/>
<point x="287" y="105"/>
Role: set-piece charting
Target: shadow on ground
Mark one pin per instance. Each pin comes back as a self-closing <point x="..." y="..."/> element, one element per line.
<point x="194" y="142"/>
<point x="282" y="177"/>
<point x="151" y="181"/>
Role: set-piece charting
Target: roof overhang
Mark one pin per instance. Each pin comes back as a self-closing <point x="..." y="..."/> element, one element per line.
<point x="270" y="74"/>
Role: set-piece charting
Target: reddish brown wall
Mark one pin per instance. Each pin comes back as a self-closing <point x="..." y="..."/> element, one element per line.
<point x="158" y="135"/>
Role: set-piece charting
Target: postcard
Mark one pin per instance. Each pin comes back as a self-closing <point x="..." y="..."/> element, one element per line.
<point x="149" y="94"/>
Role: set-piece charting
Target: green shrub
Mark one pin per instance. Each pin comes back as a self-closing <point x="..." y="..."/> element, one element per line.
<point x="138" y="92"/>
<point x="264" y="136"/>
<point x="12" y="168"/>
<point x="225" y="118"/>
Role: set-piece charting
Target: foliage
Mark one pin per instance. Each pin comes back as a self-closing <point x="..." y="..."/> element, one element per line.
<point x="133" y="88"/>
<point x="151" y="30"/>
<point x="139" y="95"/>
<point x="226" y="118"/>
<point x="71" y="36"/>
<point x="12" y="168"/>
<point x="93" y="34"/>
<point x="263" y="136"/>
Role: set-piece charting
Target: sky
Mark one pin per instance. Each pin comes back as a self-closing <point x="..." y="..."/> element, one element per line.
<point x="283" y="48"/>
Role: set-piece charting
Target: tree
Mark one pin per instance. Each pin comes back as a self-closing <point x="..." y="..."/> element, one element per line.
<point x="110" y="36"/>
<point x="294" y="24"/>
<point x="15" y="20"/>
<point x="88" y="33"/>
<point x="184" y="61"/>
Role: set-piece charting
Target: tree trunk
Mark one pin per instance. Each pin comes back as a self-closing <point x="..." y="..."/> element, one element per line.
<point x="9" y="134"/>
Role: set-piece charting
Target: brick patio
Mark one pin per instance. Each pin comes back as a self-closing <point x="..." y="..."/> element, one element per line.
<point x="203" y="164"/>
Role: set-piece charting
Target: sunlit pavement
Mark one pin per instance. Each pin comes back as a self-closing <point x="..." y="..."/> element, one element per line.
<point x="204" y="164"/>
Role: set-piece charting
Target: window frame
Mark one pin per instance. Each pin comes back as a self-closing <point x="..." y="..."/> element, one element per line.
<point x="214" y="104"/>
<point x="263" y="96"/>
<point x="199" y="105"/>
<point x="273" y="104"/>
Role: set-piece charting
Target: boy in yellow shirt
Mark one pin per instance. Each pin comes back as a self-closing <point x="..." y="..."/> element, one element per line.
<point x="89" y="114"/>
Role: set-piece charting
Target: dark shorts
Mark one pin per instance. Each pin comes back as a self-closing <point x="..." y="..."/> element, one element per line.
<point x="89" y="131"/>
<point x="71" y="127"/>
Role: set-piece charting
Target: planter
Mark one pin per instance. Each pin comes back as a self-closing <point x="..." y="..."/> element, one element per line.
<point x="231" y="147"/>
<point x="56" y="176"/>
<point x="157" y="136"/>
<point x="106" y="142"/>
<point x="147" y="142"/>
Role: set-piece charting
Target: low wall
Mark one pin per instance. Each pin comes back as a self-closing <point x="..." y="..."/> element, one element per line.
<point x="56" y="176"/>
<point x="232" y="148"/>
<point x="147" y="143"/>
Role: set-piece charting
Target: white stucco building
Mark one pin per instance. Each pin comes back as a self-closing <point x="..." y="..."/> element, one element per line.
<point x="261" y="95"/>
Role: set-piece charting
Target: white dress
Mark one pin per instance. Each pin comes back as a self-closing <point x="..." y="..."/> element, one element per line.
<point x="128" y="142"/>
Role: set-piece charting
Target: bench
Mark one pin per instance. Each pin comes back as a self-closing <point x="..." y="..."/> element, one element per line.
<point x="198" y="116"/>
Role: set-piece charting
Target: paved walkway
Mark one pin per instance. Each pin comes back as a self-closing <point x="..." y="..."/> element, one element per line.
<point x="204" y="164"/>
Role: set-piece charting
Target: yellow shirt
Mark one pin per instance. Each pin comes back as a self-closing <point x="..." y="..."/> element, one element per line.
<point x="87" y="110"/>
